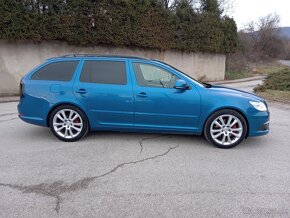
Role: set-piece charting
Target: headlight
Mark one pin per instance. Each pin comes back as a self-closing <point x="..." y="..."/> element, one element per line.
<point x="260" y="106"/>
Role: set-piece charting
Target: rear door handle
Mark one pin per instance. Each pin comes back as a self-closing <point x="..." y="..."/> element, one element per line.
<point x="81" y="91"/>
<point x="142" y="94"/>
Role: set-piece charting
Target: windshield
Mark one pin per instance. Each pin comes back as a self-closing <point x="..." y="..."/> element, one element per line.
<point x="186" y="75"/>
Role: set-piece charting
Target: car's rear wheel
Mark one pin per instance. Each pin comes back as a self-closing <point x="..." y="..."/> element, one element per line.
<point x="68" y="123"/>
<point x="225" y="128"/>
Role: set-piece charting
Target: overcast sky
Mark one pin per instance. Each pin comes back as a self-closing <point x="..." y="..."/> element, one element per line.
<point x="250" y="10"/>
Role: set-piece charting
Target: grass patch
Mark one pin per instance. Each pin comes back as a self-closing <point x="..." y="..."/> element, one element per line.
<point x="230" y="75"/>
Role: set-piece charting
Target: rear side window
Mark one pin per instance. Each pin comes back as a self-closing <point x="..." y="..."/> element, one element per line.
<point x="58" y="71"/>
<point x="104" y="72"/>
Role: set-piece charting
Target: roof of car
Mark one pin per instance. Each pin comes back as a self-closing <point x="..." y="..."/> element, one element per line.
<point x="99" y="56"/>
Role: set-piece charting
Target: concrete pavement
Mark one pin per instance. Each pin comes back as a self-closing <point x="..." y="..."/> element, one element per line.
<point x="111" y="174"/>
<point x="248" y="79"/>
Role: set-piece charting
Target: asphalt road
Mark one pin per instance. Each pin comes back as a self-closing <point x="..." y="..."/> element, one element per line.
<point x="285" y="62"/>
<point x="142" y="175"/>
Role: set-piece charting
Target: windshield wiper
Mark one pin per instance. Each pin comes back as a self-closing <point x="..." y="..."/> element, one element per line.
<point x="161" y="83"/>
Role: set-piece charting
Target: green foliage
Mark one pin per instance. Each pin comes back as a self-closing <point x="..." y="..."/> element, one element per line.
<point x="146" y="23"/>
<point x="276" y="81"/>
<point x="211" y="6"/>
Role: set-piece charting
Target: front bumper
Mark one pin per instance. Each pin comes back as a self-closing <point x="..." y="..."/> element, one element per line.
<point x="259" y="124"/>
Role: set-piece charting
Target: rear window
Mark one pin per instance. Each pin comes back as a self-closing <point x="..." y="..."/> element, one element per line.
<point x="104" y="72"/>
<point x="58" y="71"/>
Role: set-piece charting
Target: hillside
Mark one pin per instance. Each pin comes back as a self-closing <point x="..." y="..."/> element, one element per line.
<point x="285" y="31"/>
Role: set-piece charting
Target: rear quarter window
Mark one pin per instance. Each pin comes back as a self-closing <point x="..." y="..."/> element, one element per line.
<point x="104" y="72"/>
<point x="58" y="71"/>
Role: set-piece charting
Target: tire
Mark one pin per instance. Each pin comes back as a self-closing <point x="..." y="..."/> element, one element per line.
<point x="68" y="123"/>
<point x="225" y="128"/>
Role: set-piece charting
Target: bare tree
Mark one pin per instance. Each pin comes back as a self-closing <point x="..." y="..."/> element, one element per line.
<point x="227" y="6"/>
<point x="263" y="38"/>
<point x="260" y="41"/>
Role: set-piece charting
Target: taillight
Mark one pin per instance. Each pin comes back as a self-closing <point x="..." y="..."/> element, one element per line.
<point x="21" y="89"/>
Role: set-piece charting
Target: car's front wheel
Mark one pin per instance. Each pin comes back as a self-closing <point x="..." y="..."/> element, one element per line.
<point x="225" y="128"/>
<point x="68" y="123"/>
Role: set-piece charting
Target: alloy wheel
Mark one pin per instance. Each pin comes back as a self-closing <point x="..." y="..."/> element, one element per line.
<point x="226" y="129"/>
<point x="67" y="123"/>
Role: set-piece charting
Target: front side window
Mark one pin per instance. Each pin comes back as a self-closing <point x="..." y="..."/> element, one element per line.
<point x="104" y="72"/>
<point x="153" y="76"/>
<point x="58" y="71"/>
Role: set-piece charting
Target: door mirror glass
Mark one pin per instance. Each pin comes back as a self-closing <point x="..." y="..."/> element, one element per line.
<point x="180" y="84"/>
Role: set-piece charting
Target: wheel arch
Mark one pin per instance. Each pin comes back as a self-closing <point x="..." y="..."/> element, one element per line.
<point x="66" y="103"/>
<point x="229" y="108"/>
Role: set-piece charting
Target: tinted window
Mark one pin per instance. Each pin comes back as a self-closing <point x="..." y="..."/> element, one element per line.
<point x="58" y="71"/>
<point x="153" y="76"/>
<point x="104" y="72"/>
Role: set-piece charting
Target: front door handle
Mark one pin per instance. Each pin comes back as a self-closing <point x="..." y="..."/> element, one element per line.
<point x="81" y="91"/>
<point x="142" y="94"/>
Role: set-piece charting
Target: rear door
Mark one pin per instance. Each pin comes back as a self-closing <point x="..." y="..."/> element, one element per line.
<point x="104" y="88"/>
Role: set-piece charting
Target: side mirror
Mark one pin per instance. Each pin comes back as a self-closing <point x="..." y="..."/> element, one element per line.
<point x="181" y="84"/>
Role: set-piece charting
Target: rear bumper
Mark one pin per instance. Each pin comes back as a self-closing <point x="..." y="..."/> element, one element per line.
<point x="32" y="120"/>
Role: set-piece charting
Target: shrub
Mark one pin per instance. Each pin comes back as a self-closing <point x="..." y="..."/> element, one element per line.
<point x="276" y="81"/>
<point x="146" y="23"/>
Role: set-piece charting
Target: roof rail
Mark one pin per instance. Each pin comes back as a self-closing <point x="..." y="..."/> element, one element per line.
<point x="100" y="55"/>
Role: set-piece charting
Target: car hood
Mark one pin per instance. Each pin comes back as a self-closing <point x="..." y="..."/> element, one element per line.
<point x="236" y="92"/>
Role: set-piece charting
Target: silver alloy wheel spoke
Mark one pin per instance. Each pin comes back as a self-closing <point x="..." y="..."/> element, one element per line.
<point x="65" y="132"/>
<point x="60" y="117"/>
<point x="224" y="139"/>
<point x="217" y="135"/>
<point x="63" y="115"/>
<point x="77" y="129"/>
<point x="70" y="114"/>
<point x="67" y="123"/>
<point x="222" y="120"/>
<point x="60" y="128"/>
<point x="226" y="129"/>
<point x="70" y="132"/>
<point x="229" y="139"/>
<point x="235" y="122"/>
<point x="57" y="124"/>
<point x="74" y="117"/>
<point x="217" y="123"/>
<point x="229" y="120"/>
<point x="215" y="130"/>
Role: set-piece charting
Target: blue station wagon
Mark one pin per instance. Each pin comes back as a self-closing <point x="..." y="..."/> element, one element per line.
<point x="75" y="94"/>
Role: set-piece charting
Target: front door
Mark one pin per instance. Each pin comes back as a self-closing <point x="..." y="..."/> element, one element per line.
<point x="104" y="88"/>
<point x="158" y="105"/>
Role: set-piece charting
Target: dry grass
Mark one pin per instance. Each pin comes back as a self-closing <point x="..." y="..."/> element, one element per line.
<point x="256" y="69"/>
<point x="276" y="95"/>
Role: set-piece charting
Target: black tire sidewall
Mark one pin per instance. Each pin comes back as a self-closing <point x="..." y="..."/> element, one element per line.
<point x="80" y="112"/>
<point x="224" y="112"/>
